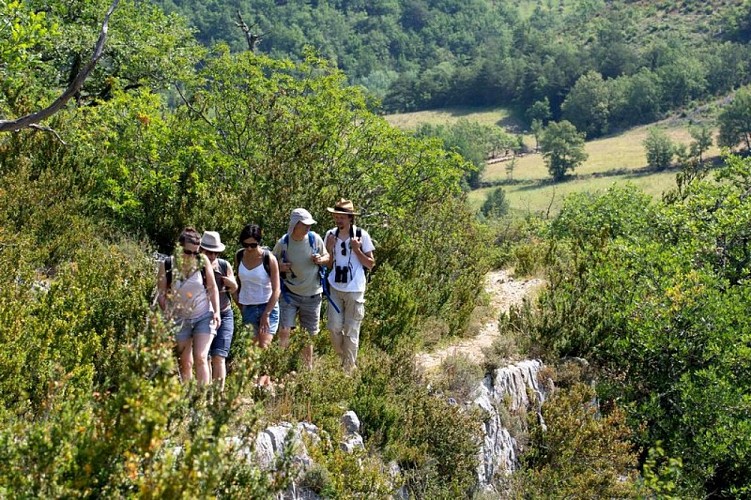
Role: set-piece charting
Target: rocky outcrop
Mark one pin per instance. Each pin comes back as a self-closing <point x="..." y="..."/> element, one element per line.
<point x="506" y="395"/>
<point x="272" y="443"/>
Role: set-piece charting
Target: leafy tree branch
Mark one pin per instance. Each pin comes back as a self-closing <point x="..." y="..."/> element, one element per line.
<point x="31" y="120"/>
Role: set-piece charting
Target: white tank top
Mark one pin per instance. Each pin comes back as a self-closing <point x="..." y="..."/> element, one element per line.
<point x="255" y="285"/>
<point x="190" y="300"/>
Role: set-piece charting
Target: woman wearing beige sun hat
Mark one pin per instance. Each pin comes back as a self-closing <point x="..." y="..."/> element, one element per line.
<point x="351" y="252"/>
<point x="211" y="245"/>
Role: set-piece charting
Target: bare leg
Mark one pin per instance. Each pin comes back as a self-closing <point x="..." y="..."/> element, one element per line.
<point x="201" y="344"/>
<point x="307" y="356"/>
<point x="263" y="340"/>
<point x="185" y="359"/>
<point x="218" y="370"/>
<point x="284" y="334"/>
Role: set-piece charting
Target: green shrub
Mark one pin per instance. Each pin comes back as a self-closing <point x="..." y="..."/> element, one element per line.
<point x="579" y="451"/>
<point x="459" y="376"/>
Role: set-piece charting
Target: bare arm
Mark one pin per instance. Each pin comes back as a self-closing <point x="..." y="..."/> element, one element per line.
<point x="212" y="290"/>
<point x="329" y="243"/>
<point x="229" y="280"/>
<point x="366" y="258"/>
<point x="161" y="286"/>
<point x="275" y="289"/>
<point x="321" y="256"/>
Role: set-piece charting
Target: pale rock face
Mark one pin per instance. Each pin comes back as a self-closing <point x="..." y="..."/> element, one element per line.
<point x="270" y="443"/>
<point x="510" y="388"/>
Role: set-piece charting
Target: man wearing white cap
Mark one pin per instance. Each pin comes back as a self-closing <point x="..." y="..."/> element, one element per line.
<point x="300" y="252"/>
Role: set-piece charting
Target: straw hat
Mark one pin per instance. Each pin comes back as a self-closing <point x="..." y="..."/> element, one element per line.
<point x="343" y="207"/>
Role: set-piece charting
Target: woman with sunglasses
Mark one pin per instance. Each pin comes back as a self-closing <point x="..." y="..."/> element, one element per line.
<point x="258" y="279"/>
<point x="187" y="285"/>
<point x="211" y="247"/>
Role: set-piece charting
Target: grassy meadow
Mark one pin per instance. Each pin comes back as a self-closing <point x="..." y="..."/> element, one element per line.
<point x="612" y="160"/>
<point x="485" y="116"/>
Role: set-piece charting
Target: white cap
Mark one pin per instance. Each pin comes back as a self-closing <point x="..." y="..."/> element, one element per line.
<point x="299" y="215"/>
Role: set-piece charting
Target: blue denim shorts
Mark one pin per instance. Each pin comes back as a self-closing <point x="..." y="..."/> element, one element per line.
<point x="309" y="308"/>
<point x="221" y="343"/>
<point x="252" y="316"/>
<point x="202" y="325"/>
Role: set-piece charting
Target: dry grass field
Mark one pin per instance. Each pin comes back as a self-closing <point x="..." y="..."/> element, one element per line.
<point x="620" y="152"/>
<point x="544" y="198"/>
<point x="484" y="116"/>
<point x="613" y="159"/>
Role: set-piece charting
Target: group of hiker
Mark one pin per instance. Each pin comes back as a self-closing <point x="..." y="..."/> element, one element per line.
<point x="272" y="288"/>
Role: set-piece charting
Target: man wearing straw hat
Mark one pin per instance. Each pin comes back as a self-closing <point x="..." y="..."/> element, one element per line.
<point x="351" y="254"/>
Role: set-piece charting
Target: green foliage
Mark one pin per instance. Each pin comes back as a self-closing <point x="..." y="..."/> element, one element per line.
<point x="421" y="55"/>
<point x="587" y="105"/>
<point x="51" y="42"/>
<point x="579" y="451"/>
<point x="434" y="443"/>
<point x="659" y="148"/>
<point x="473" y="141"/>
<point x="495" y="204"/>
<point x="661" y="474"/>
<point x="702" y="141"/>
<point x="92" y="404"/>
<point x="735" y="121"/>
<point x="562" y="147"/>
<point x="459" y="377"/>
<point x="657" y="302"/>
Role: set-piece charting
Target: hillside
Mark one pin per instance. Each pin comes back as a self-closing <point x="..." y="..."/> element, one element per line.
<point x="122" y="138"/>
<point x="421" y="55"/>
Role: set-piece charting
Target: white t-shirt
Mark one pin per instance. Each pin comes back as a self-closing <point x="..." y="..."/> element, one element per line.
<point x="346" y="259"/>
<point x="255" y="285"/>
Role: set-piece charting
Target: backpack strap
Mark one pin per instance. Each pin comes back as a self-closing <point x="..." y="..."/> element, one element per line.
<point x="222" y="266"/>
<point x="168" y="265"/>
<point x="312" y="240"/>
<point x="200" y="261"/>
<point x="266" y="261"/>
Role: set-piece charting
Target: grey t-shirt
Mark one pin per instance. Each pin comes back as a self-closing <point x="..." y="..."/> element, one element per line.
<point x="306" y="281"/>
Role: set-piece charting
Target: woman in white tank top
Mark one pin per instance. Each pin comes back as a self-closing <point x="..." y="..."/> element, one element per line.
<point x="193" y="300"/>
<point x="258" y="277"/>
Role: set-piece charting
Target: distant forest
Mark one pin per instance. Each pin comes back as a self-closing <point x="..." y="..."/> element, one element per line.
<point x="601" y="65"/>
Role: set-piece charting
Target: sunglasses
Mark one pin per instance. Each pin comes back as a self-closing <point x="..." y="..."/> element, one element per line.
<point x="344" y="248"/>
<point x="250" y="245"/>
<point x="190" y="252"/>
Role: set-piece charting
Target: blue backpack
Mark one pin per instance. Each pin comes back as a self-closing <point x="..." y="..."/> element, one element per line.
<point x="322" y="270"/>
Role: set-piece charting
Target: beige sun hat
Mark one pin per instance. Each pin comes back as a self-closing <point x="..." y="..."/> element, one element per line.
<point x="343" y="206"/>
<point x="212" y="242"/>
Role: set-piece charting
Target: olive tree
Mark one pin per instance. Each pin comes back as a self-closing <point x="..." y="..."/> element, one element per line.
<point x="735" y="121"/>
<point x="659" y="148"/>
<point x="562" y="148"/>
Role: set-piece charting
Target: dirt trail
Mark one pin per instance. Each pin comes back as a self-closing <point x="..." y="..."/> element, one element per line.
<point x="505" y="291"/>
